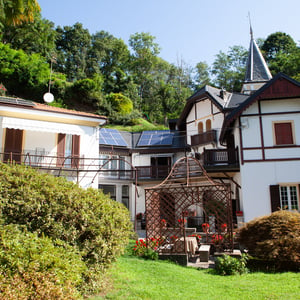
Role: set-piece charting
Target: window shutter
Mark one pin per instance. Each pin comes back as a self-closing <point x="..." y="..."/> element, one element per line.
<point x="13" y="145"/>
<point x="75" y="151"/>
<point x="275" y="197"/>
<point x="60" y="149"/>
<point x="284" y="134"/>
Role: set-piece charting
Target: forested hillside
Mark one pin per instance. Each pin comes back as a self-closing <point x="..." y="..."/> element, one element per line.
<point x="123" y="80"/>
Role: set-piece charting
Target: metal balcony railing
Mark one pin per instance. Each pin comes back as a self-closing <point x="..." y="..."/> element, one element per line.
<point x="204" y="138"/>
<point x="40" y="158"/>
<point x="217" y="157"/>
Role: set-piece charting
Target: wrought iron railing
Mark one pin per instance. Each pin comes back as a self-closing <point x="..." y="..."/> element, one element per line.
<point x="215" y="157"/>
<point x="39" y="158"/>
<point x="204" y="138"/>
<point x="43" y="159"/>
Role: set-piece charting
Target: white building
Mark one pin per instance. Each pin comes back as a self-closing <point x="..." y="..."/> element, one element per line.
<point x="250" y="140"/>
<point x="132" y="161"/>
<point x="55" y="140"/>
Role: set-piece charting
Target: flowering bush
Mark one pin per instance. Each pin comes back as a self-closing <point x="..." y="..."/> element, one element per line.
<point x="181" y="221"/>
<point x="205" y="227"/>
<point x="173" y="238"/>
<point x="224" y="227"/>
<point x="163" y="222"/>
<point x="198" y="236"/>
<point x="217" y="238"/>
<point x="146" y="248"/>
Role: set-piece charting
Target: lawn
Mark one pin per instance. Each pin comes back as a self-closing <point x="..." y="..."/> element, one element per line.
<point x="134" y="278"/>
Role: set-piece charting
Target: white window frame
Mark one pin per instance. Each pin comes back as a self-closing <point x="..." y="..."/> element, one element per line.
<point x="289" y="196"/>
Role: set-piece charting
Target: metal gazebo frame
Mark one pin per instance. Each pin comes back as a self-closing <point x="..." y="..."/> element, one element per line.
<point x="171" y="207"/>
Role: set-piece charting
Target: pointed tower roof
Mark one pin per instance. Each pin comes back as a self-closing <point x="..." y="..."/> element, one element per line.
<point x="256" y="68"/>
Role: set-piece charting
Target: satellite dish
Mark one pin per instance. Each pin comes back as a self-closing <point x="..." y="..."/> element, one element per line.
<point x="48" y="97"/>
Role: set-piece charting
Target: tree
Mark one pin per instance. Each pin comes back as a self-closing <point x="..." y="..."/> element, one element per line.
<point x="202" y="74"/>
<point x="86" y="91"/>
<point x="109" y="56"/>
<point x="22" y="74"/>
<point x="278" y="42"/>
<point x="229" y="69"/>
<point x="35" y="37"/>
<point x="14" y="12"/>
<point x="143" y="59"/>
<point x="72" y="46"/>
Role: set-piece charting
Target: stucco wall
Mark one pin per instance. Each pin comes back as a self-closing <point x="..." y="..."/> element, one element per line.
<point x="256" y="179"/>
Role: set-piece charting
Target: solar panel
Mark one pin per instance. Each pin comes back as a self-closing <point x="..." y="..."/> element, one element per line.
<point x="111" y="137"/>
<point x="18" y="101"/>
<point x="155" y="138"/>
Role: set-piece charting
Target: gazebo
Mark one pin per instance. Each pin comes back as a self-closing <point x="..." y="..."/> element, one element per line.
<point x="188" y="205"/>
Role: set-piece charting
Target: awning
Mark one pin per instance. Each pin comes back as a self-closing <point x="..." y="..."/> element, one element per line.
<point x="41" y="126"/>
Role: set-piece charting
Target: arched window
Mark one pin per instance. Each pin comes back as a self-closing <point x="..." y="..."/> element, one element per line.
<point x="208" y="125"/>
<point x="200" y="127"/>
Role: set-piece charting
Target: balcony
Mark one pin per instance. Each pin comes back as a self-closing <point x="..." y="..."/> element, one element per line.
<point x="204" y="138"/>
<point x="153" y="172"/>
<point x="39" y="158"/>
<point x="221" y="159"/>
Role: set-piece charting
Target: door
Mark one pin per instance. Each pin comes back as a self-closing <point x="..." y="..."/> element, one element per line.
<point x="13" y="145"/>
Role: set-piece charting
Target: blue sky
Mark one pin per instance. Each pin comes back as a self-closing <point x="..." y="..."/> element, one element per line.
<point x="188" y="30"/>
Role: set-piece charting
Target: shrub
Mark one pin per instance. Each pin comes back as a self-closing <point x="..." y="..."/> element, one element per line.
<point x="22" y="251"/>
<point x="274" y="237"/>
<point x="35" y="285"/>
<point x="59" y="209"/>
<point x="120" y="103"/>
<point x="228" y="265"/>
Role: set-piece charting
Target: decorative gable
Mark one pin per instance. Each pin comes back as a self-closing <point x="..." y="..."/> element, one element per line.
<point x="281" y="88"/>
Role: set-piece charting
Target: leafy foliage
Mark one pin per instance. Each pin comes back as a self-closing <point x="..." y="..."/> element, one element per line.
<point x="24" y="252"/>
<point x="275" y="237"/>
<point x="87" y="91"/>
<point x="103" y="64"/>
<point x="61" y="210"/>
<point x="35" y="285"/>
<point x="35" y="37"/>
<point x="25" y="75"/>
<point x="18" y="12"/>
<point x="228" y="265"/>
<point x="120" y="103"/>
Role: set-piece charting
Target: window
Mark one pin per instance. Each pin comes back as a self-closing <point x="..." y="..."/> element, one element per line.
<point x="68" y="150"/>
<point x="283" y="133"/>
<point x="200" y="127"/>
<point x="160" y="166"/>
<point x="111" y="163"/>
<point x="208" y="125"/>
<point x="289" y="197"/>
<point x="108" y="190"/>
<point x="125" y="195"/>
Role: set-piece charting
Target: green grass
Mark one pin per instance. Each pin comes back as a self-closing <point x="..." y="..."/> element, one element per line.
<point x="135" y="278"/>
<point x="141" y="125"/>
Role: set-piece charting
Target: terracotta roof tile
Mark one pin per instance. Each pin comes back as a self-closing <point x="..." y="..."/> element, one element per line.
<point x="45" y="107"/>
